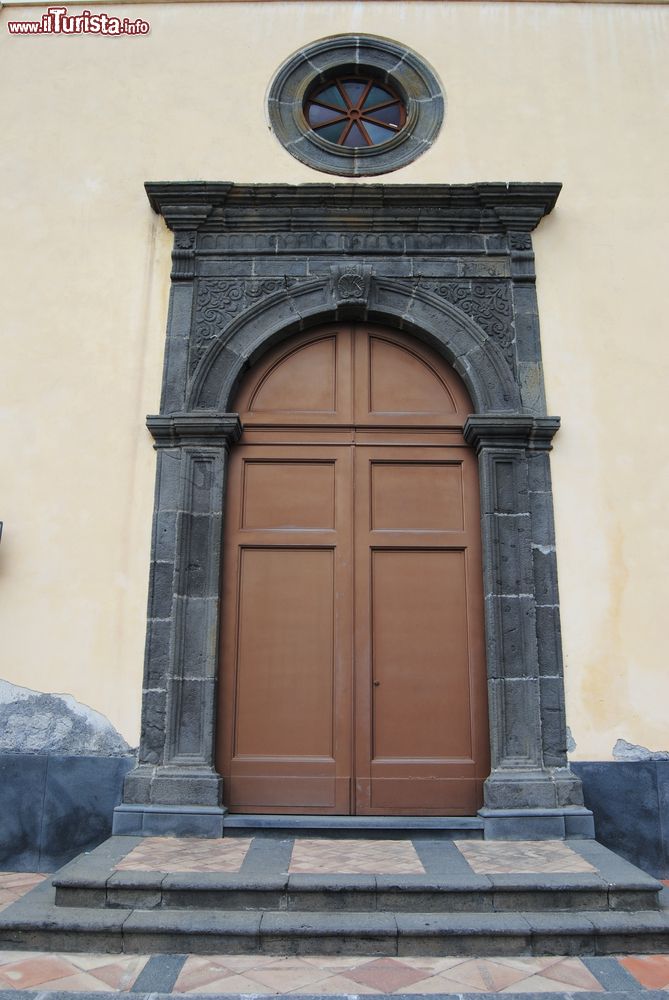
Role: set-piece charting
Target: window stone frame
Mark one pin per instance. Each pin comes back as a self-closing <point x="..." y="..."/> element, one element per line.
<point x="409" y="74"/>
<point x="449" y="264"/>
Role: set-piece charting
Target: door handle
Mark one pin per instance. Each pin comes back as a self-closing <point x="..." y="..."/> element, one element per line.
<point x="376" y="683"/>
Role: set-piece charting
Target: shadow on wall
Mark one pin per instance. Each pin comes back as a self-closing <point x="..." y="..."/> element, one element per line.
<point x="53" y="807"/>
<point x="630" y="802"/>
<point x="62" y="767"/>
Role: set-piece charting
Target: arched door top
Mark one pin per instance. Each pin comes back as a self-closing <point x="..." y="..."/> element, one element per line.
<point x="452" y="334"/>
<point x="345" y="375"/>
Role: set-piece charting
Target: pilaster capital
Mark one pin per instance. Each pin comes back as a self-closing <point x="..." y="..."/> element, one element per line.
<point x="177" y="430"/>
<point x="510" y="430"/>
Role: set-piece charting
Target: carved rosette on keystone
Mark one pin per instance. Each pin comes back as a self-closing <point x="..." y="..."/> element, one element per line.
<point x="449" y="264"/>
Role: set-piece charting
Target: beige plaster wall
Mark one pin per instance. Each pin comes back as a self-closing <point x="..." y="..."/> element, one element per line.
<point x="570" y="92"/>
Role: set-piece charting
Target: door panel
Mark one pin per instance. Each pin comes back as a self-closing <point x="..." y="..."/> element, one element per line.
<point x="417" y="496"/>
<point x="352" y="656"/>
<point x="286" y="623"/>
<point x="421" y="737"/>
<point x="419" y="625"/>
<point x="285" y="655"/>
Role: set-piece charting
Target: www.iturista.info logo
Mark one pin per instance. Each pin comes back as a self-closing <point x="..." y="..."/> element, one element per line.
<point x="57" y="21"/>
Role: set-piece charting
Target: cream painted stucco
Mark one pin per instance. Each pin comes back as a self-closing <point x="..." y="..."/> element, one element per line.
<point x="569" y="92"/>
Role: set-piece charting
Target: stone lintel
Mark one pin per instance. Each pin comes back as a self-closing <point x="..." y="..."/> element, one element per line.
<point x="426" y="208"/>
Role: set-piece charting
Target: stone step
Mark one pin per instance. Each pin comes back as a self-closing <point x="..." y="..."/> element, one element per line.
<point x="353" y="893"/>
<point x="49" y="927"/>
<point x="376" y="827"/>
<point x="442" y="881"/>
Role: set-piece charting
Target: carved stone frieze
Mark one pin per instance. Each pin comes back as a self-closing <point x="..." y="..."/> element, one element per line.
<point x="520" y="241"/>
<point x="218" y="301"/>
<point x="487" y="302"/>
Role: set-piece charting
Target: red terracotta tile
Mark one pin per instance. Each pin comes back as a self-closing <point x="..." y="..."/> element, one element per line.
<point x="572" y="972"/>
<point x="386" y="974"/>
<point x="650" y="970"/>
<point x="34" y="971"/>
<point x="484" y="974"/>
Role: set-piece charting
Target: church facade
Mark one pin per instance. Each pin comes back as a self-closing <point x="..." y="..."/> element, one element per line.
<point x="385" y="279"/>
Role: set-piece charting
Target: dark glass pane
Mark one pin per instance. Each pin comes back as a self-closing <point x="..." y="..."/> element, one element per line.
<point x="316" y="115"/>
<point x="330" y="95"/>
<point x="355" y="89"/>
<point x="377" y="95"/>
<point x="377" y="133"/>
<point x="391" y="115"/>
<point x="332" y="132"/>
<point x="355" y="137"/>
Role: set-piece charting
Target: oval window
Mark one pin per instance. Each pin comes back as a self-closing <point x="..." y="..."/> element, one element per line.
<point x="355" y="111"/>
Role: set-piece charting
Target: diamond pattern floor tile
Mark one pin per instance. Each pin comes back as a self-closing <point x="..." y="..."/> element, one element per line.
<point x="522" y="857"/>
<point x="355" y="857"/>
<point x="340" y="974"/>
<point x="387" y="974"/>
<point x="78" y="973"/>
<point x="186" y="854"/>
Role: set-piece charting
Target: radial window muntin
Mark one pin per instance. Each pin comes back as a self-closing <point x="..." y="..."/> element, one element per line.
<point x="348" y="56"/>
<point x="355" y="111"/>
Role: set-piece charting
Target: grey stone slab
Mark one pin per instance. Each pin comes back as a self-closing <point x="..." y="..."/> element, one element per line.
<point x="329" y="933"/>
<point x="462" y="934"/>
<point x="133" y="879"/>
<point x="613" y="868"/>
<point x="633" y="899"/>
<point x="561" y="933"/>
<point x="564" y="881"/>
<point x="223" y="881"/>
<point x="100" y="862"/>
<point x="81" y="897"/>
<point x="160" y="974"/>
<point x="417" y="899"/>
<point x="645" y="932"/>
<point x="633" y="831"/>
<point x="611" y="974"/>
<point x="331" y="900"/>
<point x="42" y="926"/>
<point x="268" y="856"/>
<point x="552" y="900"/>
<point x="191" y="932"/>
<point x="662" y="779"/>
<point x="189" y="821"/>
<point x="445" y="863"/>
<point x="331" y="883"/>
<point x="23" y="781"/>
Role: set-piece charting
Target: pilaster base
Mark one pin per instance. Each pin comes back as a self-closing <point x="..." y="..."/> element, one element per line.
<point x="138" y="820"/>
<point x="571" y="822"/>
<point x="540" y="788"/>
<point x="169" y="785"/>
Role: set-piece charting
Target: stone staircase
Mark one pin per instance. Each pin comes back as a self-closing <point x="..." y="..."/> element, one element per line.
<point x="602" y="906"/>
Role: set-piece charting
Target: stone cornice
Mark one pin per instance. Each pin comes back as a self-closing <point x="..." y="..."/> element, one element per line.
<point x="425" y="208"/>
<point x="194" y="429"/>
<point x="505" y="430"/>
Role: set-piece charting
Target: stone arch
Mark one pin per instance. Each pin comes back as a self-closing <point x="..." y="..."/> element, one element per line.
<point x="474" y="355"/>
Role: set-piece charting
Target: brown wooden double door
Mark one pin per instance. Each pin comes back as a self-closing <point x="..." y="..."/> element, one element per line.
<point x="352" y="658"/>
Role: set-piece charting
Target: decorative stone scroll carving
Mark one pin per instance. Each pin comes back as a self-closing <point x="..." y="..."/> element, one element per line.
<point x="488" y="303"/>
<point x="218" y="301"/>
